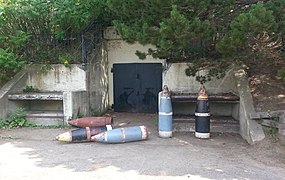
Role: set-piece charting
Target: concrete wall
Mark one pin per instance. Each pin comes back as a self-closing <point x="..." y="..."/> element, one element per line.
<point x="74" y="104"/>
<point x="174" y="76"/>
<point x="84" y="92"/>
<point x="59" y="78"/>
<point x="97" y="72"/>
<point x="12" y="86"/>
<point x="249" y="129"/>
<point x="71" y="81"/>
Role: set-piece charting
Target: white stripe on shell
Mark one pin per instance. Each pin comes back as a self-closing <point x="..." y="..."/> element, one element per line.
<point x="202" y="135"/>
<point x="202" y="114"/>
<point x="144" y="132"/>
<point x="109" y="127"/>
<point x="165" y="113"/>
<point x="165" y="134"/>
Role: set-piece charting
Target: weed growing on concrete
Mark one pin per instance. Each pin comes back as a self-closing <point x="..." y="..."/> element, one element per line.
<point x="30" y="89"/>
<point x="281" y="73"/>
<point x="272" y="130"/>
<point x="2" y="123"/>
<point x="96" y="113"/>
<point x="17" y="119"/>
<point x="54" y="126"/>
<point x="46" y="67"/>
<point x="79" y="115"/>
<point x="156" y="120"/>
<point x="65" y="59"/>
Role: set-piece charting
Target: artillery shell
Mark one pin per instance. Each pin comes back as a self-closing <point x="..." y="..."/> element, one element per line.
<point x="121" y="135"/>
<point x="82" y="134"/>
<point x="91" y="121"/>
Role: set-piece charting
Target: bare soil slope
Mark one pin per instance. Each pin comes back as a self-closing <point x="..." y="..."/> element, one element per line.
<point x="268" y="90"/>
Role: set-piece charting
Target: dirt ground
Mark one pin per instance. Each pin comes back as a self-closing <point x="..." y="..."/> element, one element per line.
<point x="268" y="90"/>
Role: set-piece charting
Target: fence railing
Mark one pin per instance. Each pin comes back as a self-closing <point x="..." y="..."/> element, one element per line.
<point x="48" y="49"/>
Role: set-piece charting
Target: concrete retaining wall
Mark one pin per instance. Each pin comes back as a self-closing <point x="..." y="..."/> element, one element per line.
<point x="84" y="91"/>
<point x="58" y="78"/>
<point x="174" y="76"/>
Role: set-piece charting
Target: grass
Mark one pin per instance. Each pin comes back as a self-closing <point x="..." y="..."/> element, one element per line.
<point x="273" y="130"/>
<point x="17" y="120"/>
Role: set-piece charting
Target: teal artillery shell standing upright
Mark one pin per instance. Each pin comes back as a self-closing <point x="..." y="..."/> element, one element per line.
<point x="165" y="114"/>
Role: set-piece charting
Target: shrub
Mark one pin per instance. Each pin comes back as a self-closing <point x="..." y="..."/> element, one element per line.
<point x="17" y="119"/>
<point x="9" y="64"/>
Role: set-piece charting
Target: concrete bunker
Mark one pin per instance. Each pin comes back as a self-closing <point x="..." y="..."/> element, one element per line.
<point x="93" y="87"/>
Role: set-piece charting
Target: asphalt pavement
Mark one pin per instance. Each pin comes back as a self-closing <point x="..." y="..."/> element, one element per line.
<point x="33" y="153"/>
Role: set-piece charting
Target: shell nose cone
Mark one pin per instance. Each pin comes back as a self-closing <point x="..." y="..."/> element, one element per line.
<point x="72" y="122"/>
<point x="64" y="137"/>
<point x="101" y="137"/>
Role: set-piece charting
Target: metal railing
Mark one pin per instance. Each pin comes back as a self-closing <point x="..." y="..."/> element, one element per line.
<point x="80" y="48"/>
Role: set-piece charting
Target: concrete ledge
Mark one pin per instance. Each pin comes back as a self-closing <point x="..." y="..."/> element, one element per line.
<point x="37" y="96"/>
<point x="266" y="116"/>
<point x="221" y="124"/>
<point x="191" y="97"/>
<point x="269" y="114"/>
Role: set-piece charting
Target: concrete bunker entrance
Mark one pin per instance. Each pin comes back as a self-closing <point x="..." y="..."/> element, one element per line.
<point x="136" y="86"/>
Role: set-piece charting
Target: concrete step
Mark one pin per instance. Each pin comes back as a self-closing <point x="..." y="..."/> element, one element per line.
<point x="217" y="124"/>
<point x="45" y="117"/>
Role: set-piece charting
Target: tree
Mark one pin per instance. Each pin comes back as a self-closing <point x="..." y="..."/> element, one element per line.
<point x="210" y="34"/>
<point x="35" y="24"/>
